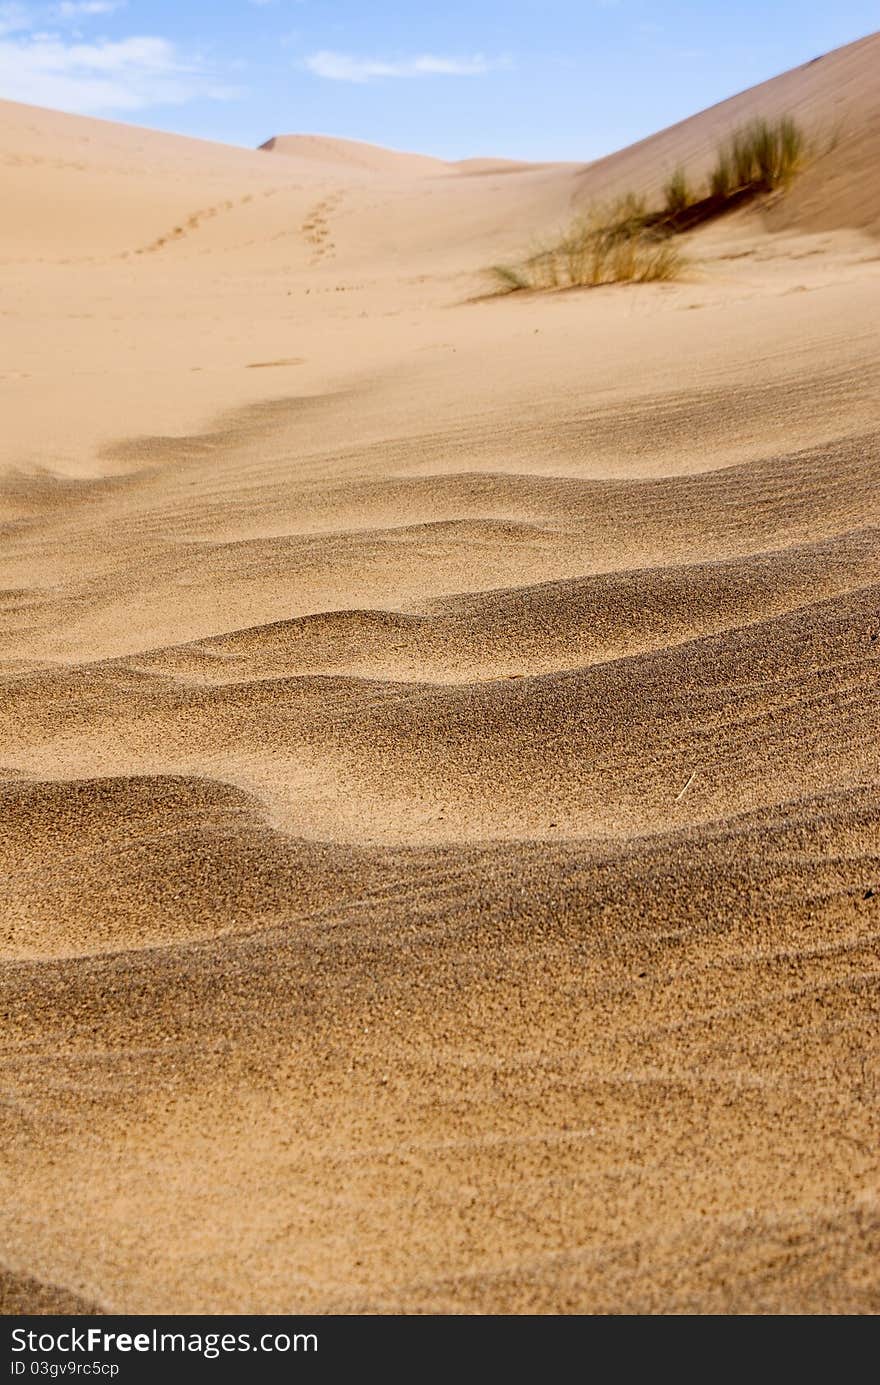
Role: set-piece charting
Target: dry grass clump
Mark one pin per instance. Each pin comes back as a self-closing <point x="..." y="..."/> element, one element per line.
<point x="678" y="193"/>
<point x="611" y="245"/>
<point x="626" y="243"/>
<point x="761" y="155"/>
<point x="721" y="177"/>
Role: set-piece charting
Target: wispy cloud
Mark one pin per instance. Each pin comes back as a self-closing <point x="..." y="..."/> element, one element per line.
<point x="84" y="9"/>
<point x="14" y="19"/>
<point x="344" y="67"/>
<point x="93" y="78"/>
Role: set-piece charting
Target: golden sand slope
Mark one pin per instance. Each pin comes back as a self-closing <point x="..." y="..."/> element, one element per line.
<point x="439" y="805"/>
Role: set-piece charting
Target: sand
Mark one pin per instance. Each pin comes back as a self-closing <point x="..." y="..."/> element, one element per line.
<point x="439" y="734"/>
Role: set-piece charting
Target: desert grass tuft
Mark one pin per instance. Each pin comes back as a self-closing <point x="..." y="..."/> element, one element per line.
<point x="625" y="242"/>
<point x="763" y="154"/>
<point x="611" y="245"/>
<point x="508" y="278"/>
<point x="721" y="177"/>
<point x="677" y="193"/>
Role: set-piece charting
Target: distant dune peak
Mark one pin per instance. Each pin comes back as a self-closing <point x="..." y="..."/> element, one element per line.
<point x="352" y="153"/>
<point x="358" y="156"/>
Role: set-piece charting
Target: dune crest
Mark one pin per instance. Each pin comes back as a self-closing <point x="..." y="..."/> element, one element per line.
<point x="354" y="155"/>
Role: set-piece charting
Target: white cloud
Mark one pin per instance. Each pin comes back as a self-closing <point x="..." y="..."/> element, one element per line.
<point x="82" y="9"/>
<point x="93" y="78"/>
<point x="343" y="67"/>
<point x="13" y="19"/>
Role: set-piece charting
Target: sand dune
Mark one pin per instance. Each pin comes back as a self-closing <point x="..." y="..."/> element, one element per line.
<point x="372" y="158"/>
<point x="836" y="100"/>
<point x="439" y="734"/>
<point x="354" y="155"/>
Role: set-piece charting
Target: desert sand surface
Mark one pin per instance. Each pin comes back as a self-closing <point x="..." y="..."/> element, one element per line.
<point x="439" y="791"/>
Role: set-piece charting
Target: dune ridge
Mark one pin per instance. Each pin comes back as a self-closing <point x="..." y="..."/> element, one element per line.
<point x="439" y="809"/>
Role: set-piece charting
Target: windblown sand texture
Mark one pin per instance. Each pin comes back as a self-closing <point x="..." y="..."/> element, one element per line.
<point x="440" y="735"/>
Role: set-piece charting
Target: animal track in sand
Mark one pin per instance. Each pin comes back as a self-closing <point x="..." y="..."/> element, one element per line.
<point x="194" y="222"/>
<point x="316" y="228"/>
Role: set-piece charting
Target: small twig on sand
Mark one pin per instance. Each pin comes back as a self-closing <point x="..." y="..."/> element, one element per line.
<point x="680" y="796"/>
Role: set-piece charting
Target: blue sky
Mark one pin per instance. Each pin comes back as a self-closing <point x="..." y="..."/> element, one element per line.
<point x="569" y="79"/>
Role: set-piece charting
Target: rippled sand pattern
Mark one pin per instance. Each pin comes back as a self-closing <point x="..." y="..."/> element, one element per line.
<point x="439" y="802"/>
